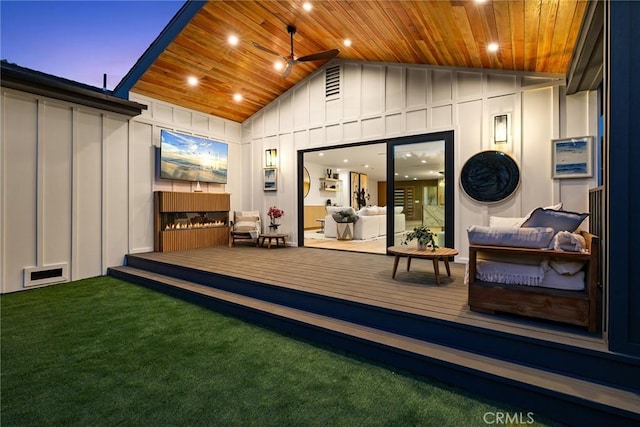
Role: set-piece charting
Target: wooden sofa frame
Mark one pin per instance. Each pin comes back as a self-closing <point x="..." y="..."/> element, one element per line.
<point x="573" y="307"/>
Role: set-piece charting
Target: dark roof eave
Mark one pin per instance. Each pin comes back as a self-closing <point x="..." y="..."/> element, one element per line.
<point x="26" y="80"/>
<point x="168" y="34"/>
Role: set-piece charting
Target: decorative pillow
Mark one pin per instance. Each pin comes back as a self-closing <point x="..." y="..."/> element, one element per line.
<point x="398" y="209"/>
<point x="509" y="222"/>
<point x="556" y="207"/>
<point x="368" y="211"/>
<point x="536" y="238"/>
<point x="558" y="220"/>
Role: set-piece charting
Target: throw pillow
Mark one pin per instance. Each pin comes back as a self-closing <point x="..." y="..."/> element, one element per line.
<point x="558" y="220"/>
<point x="537" y="238"/>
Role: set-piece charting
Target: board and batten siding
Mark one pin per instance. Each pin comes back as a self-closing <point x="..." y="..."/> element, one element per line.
<point x="379" y="101"/>
<point x="77" y="183"/>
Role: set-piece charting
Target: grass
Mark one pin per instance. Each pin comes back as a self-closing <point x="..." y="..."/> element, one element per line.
<point x="103" y="352"/>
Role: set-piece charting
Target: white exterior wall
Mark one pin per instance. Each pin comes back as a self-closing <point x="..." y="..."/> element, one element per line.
<point x="77" y="183"/>
<point x="145" y="139"/>
<point x="380" y="101"/>
<point x="64" y="188"/>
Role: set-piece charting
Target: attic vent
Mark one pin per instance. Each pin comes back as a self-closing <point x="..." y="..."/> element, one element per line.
<point x="332" y="81"/>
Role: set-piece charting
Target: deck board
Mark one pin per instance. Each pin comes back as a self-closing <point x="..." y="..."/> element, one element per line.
<point x="366" y="278"/>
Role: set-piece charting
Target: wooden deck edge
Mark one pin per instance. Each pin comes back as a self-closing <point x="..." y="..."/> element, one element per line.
<point x="463" y="369"/>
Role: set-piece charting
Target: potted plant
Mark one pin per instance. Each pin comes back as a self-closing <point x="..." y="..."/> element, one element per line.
<point x="346" y="215"/>
<point x="274" y="214"/>
<point x="344" y="223"/>
<point x="423" y="235"/>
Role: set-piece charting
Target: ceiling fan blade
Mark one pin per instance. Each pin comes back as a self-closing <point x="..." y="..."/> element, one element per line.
<point x="259" y="46"/>
<point x="327" y="54"/>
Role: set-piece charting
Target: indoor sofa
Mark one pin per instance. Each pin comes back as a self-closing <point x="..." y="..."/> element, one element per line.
<point x="371" y="223"/>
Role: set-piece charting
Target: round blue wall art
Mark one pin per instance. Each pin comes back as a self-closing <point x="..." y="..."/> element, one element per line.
<point x="490" y="176"/>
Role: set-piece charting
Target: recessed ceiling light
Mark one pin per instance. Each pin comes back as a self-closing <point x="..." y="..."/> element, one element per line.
<point x="233" y="40"/>
<point x="346" y="160"/>
<point x="366" y="166"/>
<point x="395" y="174"/>
<point x="307" y="6"/>
<point x="321" y="154"/>
<point x="406" y="176"/>
<point x="237" y="97"/>
<point x="193" y="81"/>
<point x="347" y="42"/>
<point x="423" y="161"/>
<point x="493" y="47"/>
<point x="415" y="179"/>
<point x="278" y="65"/>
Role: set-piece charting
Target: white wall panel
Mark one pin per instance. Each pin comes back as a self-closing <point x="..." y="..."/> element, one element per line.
<point x="394" y="87"/>
<point x="468" y="141"/>
<point x="416" y="87"/>
<point x="182" y="118"/>
<point x="115" y="184"/>
<point x="537" y="133"/>
<point x="200" y="123"/>
<point x="393" y="124"/>
<point x="333" y="108"/>
<point x="372" y="92"/>
<point x="56" y="152"/>
<point x="441" y="86"/>
<point x="142" y="165"/>
<point x="351" y="131"/>
<point x="271" y="120"/>
<point x="416" y="120"/>
<point x="300" y="106"/>
<point x="350" y="90"/>
<point x="19" y="209"/>
<point x="88" y="203"/>
<point x="441" y="116"/>
<point x="500" y="83"/>
<point x="257" y="128"/>
<point x="162" y="112"/>
<point x="317" y="137"/>
<point x="372" y="128"/>
<point x="469" y="85"/>
<point x="334" y="134"/>
<point x="317" y="100"/>
<point x="286" y="114"/>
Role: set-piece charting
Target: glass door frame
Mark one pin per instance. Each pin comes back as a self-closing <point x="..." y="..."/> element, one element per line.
<point x="449" y="179"/>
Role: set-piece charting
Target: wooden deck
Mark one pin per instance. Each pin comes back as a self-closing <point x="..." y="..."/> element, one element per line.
<point x="350" y="301"/>
<point x="366" y="278"/>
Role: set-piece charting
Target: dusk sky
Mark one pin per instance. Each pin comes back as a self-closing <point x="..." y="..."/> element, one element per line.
<point x="81" y="40"/>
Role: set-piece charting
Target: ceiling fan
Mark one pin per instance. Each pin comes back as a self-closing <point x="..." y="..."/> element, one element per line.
<point x="291" y="60"/>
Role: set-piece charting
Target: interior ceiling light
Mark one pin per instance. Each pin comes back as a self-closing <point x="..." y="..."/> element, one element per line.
<point x="237" y="97"/>
<point x="321" y="154"/>
<point x="346" y="160"/>
<point x="307" y="6"/>
<point x="233" y="40"/>
<point x="493" y="47"/>
<point x="347" y="42"/>
<point x="193" y="81"/>
<point x="278" y="65"/>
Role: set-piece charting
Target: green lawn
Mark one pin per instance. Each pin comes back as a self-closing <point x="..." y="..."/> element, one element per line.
<point x="104" y="352"/>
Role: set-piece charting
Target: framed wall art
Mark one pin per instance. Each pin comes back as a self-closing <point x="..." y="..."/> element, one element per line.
<point x="572" y="157"/>
<point x="270" y="179"/>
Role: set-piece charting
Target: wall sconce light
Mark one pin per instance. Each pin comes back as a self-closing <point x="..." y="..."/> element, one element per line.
<point x="501" y="129"/>
<point x="271" y="158"/>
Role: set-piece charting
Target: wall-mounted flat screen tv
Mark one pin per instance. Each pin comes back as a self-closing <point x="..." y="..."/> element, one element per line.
<point x="192" y="158"/>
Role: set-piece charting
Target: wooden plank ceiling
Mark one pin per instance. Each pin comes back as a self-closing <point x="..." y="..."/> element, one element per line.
<point x="532" y="35"/>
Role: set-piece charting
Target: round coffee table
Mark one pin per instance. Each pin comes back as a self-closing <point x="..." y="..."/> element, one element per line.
<point x="413" y="252"/>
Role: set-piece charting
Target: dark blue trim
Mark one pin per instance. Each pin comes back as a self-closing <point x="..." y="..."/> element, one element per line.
<point x="173" y="28"/>
<point x="623" y="187"/>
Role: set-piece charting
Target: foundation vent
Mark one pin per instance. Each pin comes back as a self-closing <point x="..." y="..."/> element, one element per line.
<point x="332" y="81"/>
<point x="46" y="275"/>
